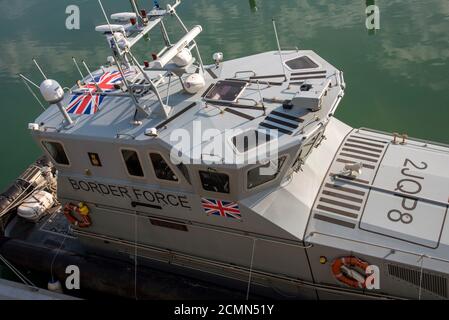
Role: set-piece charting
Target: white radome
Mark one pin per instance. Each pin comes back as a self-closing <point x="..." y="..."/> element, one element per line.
<point x="194" y="83"/>
<point x="218" y="57"/>
<point x="52" y="91"/>
<point x="183" y="58"/>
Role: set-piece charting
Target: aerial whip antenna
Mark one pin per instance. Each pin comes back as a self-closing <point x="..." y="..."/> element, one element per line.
<point x="39" y="68"/>
<point x="279" y="47"/>
<point x="78" y="68"/>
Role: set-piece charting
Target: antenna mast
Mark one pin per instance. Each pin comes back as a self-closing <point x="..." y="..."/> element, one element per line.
<point x="279" y="47"/>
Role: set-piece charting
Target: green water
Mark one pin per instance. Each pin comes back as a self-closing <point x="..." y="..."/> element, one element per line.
<point x="397" y="79"/>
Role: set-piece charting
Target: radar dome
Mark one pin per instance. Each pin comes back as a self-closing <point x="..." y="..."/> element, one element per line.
<point x="183" y="58"/>
<point x="194" y="83"/>
<point x="51" y="91"/>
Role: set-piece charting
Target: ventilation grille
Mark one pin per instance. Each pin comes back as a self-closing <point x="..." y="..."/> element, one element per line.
<point x="430" y="282"/>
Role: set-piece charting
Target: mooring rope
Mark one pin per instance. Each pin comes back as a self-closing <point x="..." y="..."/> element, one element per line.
<point x="250" y="269"/>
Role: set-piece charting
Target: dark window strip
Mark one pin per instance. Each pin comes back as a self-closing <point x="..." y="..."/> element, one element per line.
<point x="365" y="143"/>
<point x="240" y="114"/>
<point x="357" y="157"/>
<point x="370" y="139"/>
<point x="269" y="126"/>
<point x="170" y="225"/>
<point x="309" y="77"/>
<point x="284" y="123"/>
<point x="369" y="154"/>
<point x="164" y="123"/>
<point x="287" y="116"/>
<point x="362" y="147"/>
<point x="342" y="196"/>
<point x="307" y="72"/>
<point x="337" y="211"/>
<point x="340" y="204"/>
<point x="334" y="221"/>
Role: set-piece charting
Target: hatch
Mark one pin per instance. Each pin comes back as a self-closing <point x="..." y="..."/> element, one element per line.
<point x="409" y="196"/>
<point x="303" y="62"/>
<point x="227" y="91"/>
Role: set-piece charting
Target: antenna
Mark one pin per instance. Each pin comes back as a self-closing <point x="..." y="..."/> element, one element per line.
<point x="91" y="75"/>
<point x="25" y="81"/>
<point x="78" y="68"/>
<point x="39" y="68"/>
<point x="172" y="10"/>
<point x="279" y="47"/>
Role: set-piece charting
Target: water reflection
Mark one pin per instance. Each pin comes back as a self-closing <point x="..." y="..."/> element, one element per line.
<point x="391" y="76"/>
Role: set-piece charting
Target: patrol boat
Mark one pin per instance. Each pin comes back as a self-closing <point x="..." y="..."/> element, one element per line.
<point x="328" y="212"/>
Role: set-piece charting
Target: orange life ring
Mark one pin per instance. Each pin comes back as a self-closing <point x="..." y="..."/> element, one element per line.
<point x="356" y="280"/>
<point x="83" y="219"/>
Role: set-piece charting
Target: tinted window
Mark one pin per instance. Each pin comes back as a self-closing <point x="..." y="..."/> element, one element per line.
<point x="161" y="168"/>
<point x="56" y="150"/>
<point x="264" y="173"/>
<point x="132" y="163"/>
<point x="215" y="182"/>
<point x="183" y="168"/>
<point x="249" y="140"/>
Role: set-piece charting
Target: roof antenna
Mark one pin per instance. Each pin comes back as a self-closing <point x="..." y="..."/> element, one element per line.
<point x="78" y="68"/>
<point x="279" y="48"/>
<point x="39" y="68"/>
<point x="90" y="73"/>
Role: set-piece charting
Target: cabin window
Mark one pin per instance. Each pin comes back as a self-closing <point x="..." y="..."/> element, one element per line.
<point x="94" y="159"/>
<point x="132" y="163"/>
<point x="264" y="173"/>
<point x="185" y="172"/>
<point x="57" y="152"/>
<point x="215" y="182"/>
<point x="249" y="140"/>
<point x="306" y="150"/>
<point x="161" y="168"/>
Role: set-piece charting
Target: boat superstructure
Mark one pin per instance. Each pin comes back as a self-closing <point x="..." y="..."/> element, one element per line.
<point x="239" y="171"/>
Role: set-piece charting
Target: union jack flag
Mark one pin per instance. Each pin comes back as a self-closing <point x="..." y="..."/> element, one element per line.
<point x="87" y="102"/>
<point x="221" y="208"/>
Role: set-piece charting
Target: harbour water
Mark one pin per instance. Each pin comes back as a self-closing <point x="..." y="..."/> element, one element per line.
<point x="397" y="78"/>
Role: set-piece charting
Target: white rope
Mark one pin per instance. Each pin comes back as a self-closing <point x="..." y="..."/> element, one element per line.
<point x="21" y="276"/>
<point x="250" y="269"/>
<point x="57" y="253"/>
<point x="420" y="277"/>
<point x="135" y="256"/>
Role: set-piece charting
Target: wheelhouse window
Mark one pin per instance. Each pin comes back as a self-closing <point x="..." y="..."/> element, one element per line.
<point x="249" y="140"/>
<point x="57" y="152"/>
<point x="161" y="168"/>
<point x="264" y="173"/>
<point x="132" y="163"/>
<point x="215" y="182"/>
<point x="185" y="172"/>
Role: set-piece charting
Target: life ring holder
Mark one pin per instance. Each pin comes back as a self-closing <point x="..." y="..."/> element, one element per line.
<point x="81" y="219"/>
<point x="345" y="271"/>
